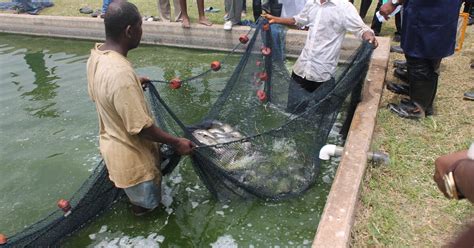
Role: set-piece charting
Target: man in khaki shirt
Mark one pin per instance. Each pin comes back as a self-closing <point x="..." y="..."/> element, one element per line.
<point x="128" y="137"/>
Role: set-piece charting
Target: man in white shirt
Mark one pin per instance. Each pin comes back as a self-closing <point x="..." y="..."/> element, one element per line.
<point x="328" y="22"/>
<point x="291" y="8"/>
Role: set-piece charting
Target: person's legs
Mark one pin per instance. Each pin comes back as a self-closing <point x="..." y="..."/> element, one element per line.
<point x="364" y="7"/>
<point x="202" y="18"/>
<point x="105" y="5"/>
<point x="398" y="25"/>
<point x="235" y="11"/>
<point x="423" y="78"/>
<point x="257" y="8"/>
<point x="376" y="25"/>
<point x="164" y="9"/>
<point x="144" y="196"/>
<point x="177" y="11"/>
<point x="184" y="14"/>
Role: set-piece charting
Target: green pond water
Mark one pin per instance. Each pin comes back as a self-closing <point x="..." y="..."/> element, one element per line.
<point x="48" y="133"/>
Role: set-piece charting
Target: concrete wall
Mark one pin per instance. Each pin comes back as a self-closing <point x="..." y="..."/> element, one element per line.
<point x="158" y="33"/>
<point x="336" y="222"/>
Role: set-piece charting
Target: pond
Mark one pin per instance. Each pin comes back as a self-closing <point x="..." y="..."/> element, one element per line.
<point x="48" y="129"/>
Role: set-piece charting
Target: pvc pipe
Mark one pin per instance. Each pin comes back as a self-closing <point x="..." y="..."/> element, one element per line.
<point x="379" y="157"/>
<point x="329" y="150"/>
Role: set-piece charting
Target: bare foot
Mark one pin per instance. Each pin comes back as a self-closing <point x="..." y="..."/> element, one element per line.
<point x="205" y="22"/>
<point x="186" y="23"/>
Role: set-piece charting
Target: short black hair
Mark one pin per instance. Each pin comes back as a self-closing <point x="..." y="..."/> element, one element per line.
<point x="119" y="15"/>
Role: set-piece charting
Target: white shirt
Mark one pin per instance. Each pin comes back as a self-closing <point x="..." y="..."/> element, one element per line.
<point x="328" y="23"/>
<point x="291" y="8"/>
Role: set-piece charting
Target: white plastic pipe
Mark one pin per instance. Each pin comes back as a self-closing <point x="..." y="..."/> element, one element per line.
<point x="329" y="150"/>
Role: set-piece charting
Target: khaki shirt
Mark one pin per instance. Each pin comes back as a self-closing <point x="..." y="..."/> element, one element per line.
<point x="117" y="93"/>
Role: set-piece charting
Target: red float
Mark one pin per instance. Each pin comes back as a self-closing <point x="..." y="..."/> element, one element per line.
<point x="266" y="51"/>
<point x="3" y="239"/>
<point x="263" y="76"/>
<point x="215" y="65"/>
<point x="175" y="83"/>
<point x="65" y="206"/>
<point x="266" y="27"/>
<point x="244" y="39"/>
<point x="261" y="95"/>
<point x="258" y="63"/>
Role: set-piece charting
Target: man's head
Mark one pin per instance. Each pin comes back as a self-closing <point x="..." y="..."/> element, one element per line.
<point x="123" y="24"/>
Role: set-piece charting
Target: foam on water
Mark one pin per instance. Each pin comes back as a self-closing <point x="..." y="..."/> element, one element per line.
<point x="225" y="241"/>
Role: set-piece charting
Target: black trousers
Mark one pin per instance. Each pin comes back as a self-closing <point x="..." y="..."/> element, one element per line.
<point x="302" y="91"/>
<point x="273" y="7"/>
<point x="377" y="26"/>
<point x="423" y="79"/>
<point x="364" y="7"/>
<point x="308" y="85"/>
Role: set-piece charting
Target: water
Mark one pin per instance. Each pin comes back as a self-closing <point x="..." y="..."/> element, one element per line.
<point x="48" y="129"/>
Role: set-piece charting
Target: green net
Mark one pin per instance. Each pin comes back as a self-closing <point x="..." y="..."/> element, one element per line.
<point x="260" y="139"/>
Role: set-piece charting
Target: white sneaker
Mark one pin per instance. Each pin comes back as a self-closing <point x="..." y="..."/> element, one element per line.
<point x="228" y="25"/>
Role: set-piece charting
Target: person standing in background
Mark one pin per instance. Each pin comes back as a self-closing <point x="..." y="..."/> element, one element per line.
<point x="428" y="35"/>
<point x="202" y="18"/>
<point x="105" y="6"/>
<point x="233" y="8"/>
<point x="165" y="10"/>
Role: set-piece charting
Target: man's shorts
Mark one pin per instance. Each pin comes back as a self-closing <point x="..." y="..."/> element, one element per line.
<point x="146" y="194"/>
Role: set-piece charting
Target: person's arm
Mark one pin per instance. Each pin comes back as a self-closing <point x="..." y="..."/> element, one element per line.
<point x="280" y="20"/>
<point x="464" y="179"/>
<point x="387" y="8"/>
<point x="301" y="19"/>
<point x="354" y="24"/>
<point x="181" y="145"/>
<point x="131" y="107"/>
<point x="462" y="168"/>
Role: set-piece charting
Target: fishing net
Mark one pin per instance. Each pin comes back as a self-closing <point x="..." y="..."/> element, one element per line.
<point x="260" y="139"/>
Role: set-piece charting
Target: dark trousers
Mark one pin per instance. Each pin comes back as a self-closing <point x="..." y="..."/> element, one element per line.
<point x="302" y="91"/>
<point x="272" y="7"/>
<point x="377" y="26"/>
<point x="423" y="79"/>
<point x="364" y="7"/>
<point x="308" y="85"/>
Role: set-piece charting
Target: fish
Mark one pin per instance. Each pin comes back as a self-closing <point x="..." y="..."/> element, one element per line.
<point x="236" y="134"/>
<point x="216" y="130"/>
<point x="204" y="137"/>
<point x="227" y="128"/>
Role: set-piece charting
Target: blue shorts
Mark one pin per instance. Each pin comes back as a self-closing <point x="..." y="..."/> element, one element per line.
<point x="146" y="194"/>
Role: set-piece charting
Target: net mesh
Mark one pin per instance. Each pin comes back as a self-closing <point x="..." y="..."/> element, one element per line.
<point x="260" y="139"/>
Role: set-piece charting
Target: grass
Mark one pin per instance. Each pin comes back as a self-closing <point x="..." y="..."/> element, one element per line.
<point x="400" y="205"/>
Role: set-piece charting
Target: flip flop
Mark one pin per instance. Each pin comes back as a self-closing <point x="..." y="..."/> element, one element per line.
<point x="86" y="10"/>
<point x="211" y="10"/>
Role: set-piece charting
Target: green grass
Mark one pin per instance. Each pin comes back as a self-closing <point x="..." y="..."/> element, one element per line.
<point x="400" y="205"/>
